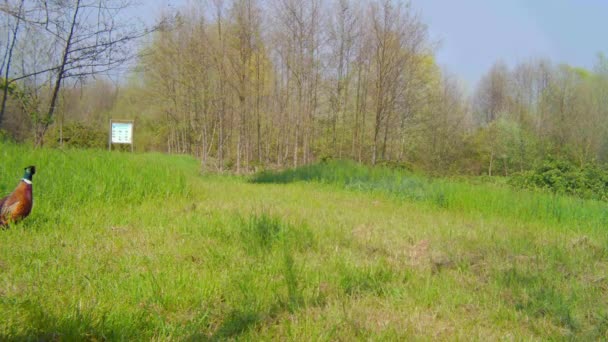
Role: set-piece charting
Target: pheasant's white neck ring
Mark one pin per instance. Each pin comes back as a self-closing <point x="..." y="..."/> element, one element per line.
<point x="27" y="181"/>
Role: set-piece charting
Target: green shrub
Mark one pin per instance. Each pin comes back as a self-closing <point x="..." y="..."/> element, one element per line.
<point x="78" y="135"/>
<point x="563" y="177"/>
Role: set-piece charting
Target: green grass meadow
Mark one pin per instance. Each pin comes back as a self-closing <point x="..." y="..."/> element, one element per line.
<point x="124" y="246"/>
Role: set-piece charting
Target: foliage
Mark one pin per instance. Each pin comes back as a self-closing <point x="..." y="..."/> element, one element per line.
<point x="503" y="147"/>
<point x="77" y="135"/>
<point x="563" y="177"/>
<point x="12" y="87"/>
<point x="359" y="83"/>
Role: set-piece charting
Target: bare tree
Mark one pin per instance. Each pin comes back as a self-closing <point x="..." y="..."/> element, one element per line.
<point x="298" y="31"/>
<point x="343" y="33"/>
<point x="8" y="54"/>
<point x="492" y="96"/>
<point x="245" y="45"/>
<point x="88" y="38"/>
<point x="398" y="37"/>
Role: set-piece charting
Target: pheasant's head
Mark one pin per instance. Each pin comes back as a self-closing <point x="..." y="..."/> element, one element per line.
<point x="29" y="172"/>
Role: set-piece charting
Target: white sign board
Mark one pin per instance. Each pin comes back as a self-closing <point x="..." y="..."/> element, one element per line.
<point x="122" y="132"/>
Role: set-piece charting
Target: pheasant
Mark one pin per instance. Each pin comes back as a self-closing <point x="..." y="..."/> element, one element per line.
<point x="18" y="204"/>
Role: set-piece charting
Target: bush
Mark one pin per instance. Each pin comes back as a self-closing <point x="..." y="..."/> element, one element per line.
<point x="78" y="135"/>
<point x="563" y="177"/>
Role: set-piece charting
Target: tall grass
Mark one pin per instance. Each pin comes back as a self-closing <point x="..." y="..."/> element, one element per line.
<point x="78" y="179"/>
<point x="485" y="199"/>
<point x="125" y="246"/>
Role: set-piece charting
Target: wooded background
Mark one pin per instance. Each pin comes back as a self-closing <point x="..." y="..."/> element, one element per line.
<point x="247" y="84"/>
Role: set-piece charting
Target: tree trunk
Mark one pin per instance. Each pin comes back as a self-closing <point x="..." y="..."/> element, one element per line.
<point x="491" y="162"/>
<point x="66" y="51"/>
<point x="9" y="61"/>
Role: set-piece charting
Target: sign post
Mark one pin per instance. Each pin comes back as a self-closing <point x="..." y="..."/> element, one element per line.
<point x="121" y="132"/>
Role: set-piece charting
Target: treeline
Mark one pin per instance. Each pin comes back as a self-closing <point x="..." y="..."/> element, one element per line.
<point x="296" y="81"/>
<point x="537" y="111"/>
<point x="246" y="84"/>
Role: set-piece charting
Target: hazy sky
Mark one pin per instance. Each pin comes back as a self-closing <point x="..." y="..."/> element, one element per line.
<point x="473" y="34"/>
<point x="476" y="33"/>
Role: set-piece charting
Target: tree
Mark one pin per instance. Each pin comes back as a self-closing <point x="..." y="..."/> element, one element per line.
<point x="87" y="38"/>
<point x="8" y="53"/>
<point x="245" y="45"/>
<point x="492" y="96"/>
<point x="397" y="39"/>
<point x="342" y="36"/>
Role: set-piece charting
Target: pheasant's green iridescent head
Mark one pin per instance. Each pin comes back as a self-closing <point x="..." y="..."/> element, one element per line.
<point x="29" y="172"/>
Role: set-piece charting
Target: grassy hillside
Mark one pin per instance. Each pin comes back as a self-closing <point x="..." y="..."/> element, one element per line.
<point x="123" y="246"/>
